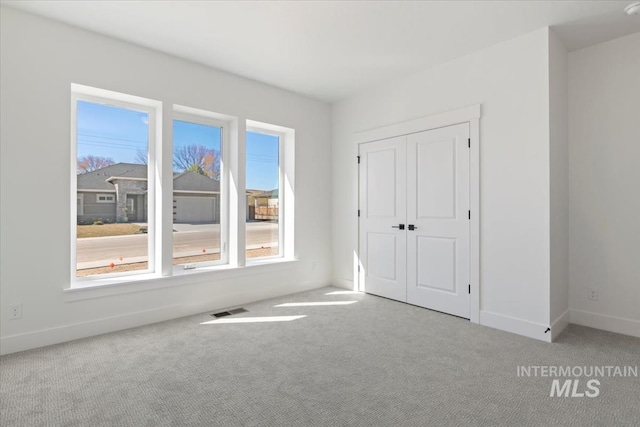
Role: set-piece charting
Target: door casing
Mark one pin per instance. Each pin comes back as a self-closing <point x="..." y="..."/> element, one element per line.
<point x="470" y="115"/>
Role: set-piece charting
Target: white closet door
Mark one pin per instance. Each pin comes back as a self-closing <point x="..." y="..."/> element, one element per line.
<point x="383" y="243"/>
<point x="438" y="209"/>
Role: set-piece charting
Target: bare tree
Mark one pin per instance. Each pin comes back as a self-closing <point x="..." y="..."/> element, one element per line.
<point x="141" y="157"/>
<point x="91" y="163"/>
<point x="197" y="158"/>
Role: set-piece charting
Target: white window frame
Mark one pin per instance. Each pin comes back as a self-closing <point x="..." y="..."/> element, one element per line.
<point x="161" y="272"/>
<point x="281" y="201"/>
<point x="207" y="118"/>
<point x="109" y="198"/>
<point x="79" y="201"/>
<point x="154" y="110"/>
<point x="286" y="185"/>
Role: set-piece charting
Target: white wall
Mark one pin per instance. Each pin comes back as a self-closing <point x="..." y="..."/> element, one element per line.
<point x="604" y="181"/>
<point x="559" y="184"/>
<point x="511" y="81"/>
<point x="39" y="60"/>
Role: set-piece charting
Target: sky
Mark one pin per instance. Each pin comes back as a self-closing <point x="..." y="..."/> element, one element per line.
<point x="119" y="134"/>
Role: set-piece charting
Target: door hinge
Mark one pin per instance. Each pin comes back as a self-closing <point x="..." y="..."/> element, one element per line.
<point x="469" y="288"/>
<point x="469" y="141"/>
<point x="469" y="214"/>
<point x="358" y="212"/>
<point x="358" y="159"/>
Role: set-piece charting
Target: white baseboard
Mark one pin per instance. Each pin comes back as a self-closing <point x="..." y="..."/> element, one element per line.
<point x="558" y="325"/>
<point x="515" y="325"/>
<point x="60" y="334"/>
<point x="343" y="283"/>
<point x="619" y="325"/>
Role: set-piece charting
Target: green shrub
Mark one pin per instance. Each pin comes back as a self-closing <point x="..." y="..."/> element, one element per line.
<point x="98" y="222"/>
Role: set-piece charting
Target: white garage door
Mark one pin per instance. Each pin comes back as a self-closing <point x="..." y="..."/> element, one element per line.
<point x="194" y="209"/>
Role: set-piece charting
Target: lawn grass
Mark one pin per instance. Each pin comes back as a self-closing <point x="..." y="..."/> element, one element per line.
<point x="107" y="230"/>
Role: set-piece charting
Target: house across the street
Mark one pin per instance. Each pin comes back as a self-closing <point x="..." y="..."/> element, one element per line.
<point x="262" y="205"/>
<point x="118" y="193"/>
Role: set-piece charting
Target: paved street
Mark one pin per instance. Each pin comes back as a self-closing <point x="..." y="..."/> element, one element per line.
<point x="188" y="239"/>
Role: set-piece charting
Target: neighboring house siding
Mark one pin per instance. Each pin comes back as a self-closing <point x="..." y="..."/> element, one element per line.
<point x="196" y="197"/>
<point x="92" y="210"/>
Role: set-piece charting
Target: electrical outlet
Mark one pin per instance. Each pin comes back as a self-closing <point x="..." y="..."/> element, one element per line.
<point x="15" y="311"/>
<point x="592" y="294"/>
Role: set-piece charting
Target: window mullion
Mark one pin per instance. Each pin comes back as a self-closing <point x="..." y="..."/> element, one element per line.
<point x="237" y="194"/>
<point x="288" y="193"/>
<point x="224" y="194"/>
<point x="164" y="194"/>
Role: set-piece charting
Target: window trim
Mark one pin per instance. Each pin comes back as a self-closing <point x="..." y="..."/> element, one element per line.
<point x="131" y="102"/>
<point x="107" y="196"/>
<point x="80" y="198"/>
<point x="161" y="272"/>
<point x="210" y="276"/>
<point x="281" y="199"/>
<point x="206" y="118"/>
<point x="286" y="191"/>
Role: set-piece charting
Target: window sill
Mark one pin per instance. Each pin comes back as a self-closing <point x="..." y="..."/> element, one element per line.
<point x="144" y="282"/>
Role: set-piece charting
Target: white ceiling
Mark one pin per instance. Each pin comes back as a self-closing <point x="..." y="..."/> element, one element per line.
<point x="330" y="50"/>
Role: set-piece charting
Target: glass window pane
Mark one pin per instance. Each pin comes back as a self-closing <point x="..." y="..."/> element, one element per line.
<point x="263" y="195"/>
<point x="112" y="148"/>
<point x="196" y="192"/>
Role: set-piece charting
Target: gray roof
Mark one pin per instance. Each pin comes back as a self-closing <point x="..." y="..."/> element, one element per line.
<point x="97" y="180"/>
<point x="185" y="181"/>
<point x="193" y="181"/>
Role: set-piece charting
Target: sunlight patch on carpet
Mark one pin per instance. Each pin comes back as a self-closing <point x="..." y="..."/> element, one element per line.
<point x="311" y="304"/>
<point x="265" y="319"/>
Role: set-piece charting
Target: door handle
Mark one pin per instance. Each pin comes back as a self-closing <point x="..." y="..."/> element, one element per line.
<point x="400" y="226"/>
<point x="412" y="227"/>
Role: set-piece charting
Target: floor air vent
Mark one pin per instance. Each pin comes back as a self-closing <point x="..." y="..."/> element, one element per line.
<point x="229" y="312"/>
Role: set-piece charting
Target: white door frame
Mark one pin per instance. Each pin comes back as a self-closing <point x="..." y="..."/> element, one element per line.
<point x="471" y="115"/>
